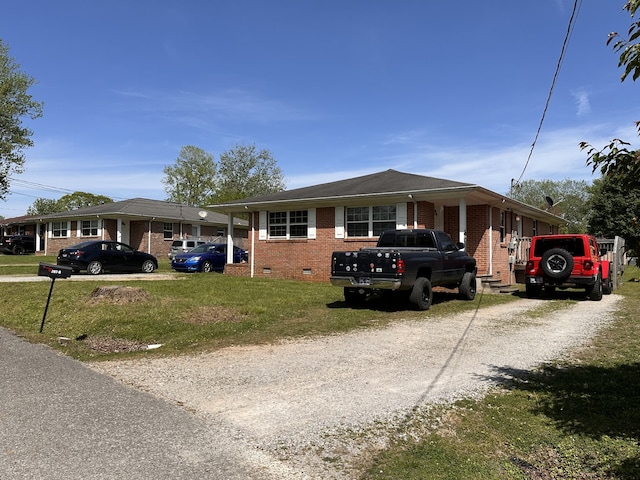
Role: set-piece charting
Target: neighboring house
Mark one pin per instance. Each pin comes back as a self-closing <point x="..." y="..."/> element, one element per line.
<point x="293" y="233"/>
<point x="146" y="225"/>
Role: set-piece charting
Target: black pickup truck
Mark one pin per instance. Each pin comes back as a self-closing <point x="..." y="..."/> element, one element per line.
<point x="406" y="261"/>
<point x="17" y="244"/>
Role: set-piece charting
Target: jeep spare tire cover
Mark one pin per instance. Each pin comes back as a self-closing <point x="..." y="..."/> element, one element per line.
<point x="557" y="263"/>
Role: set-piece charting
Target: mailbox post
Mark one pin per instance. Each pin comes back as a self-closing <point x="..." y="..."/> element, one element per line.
<point x="53" y="272"/>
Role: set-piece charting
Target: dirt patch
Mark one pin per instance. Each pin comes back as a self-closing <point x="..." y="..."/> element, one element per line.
<point x="113" y="345"/>
<point x="119" y="294"/>
<point x="213" y="314"/>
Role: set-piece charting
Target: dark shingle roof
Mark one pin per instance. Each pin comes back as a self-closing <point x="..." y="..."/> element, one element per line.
<point x="145" y="208"/>
<point x="389" y="181"/>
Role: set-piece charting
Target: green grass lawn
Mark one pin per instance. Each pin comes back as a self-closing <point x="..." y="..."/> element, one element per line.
<point x="193" y="312"/>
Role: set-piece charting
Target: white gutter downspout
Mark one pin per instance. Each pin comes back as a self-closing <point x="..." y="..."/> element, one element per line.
<point x="149" y="236"/>
<point x="229" y="238"/>
<point x="253" y="244"/>
<point x="490" y="240"/>
<point x="462" y="220"/>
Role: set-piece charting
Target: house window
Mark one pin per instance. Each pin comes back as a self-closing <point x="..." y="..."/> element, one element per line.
<point x="502" y="226"/>
<point x="167" y="231"/>
<point x="534" y="228"/>
<point x="294" y="224"/>
<point x="370" y="221"/>
<point x="59" y="229"/>
<point x="89" y="228"/>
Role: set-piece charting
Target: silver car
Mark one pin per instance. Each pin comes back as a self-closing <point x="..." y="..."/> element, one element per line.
<point x="183" y="245"/>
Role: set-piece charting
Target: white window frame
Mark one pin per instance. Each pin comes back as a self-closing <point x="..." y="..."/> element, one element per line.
<point x="265" y="224"/>
<point x="398" y="222"/>
<point x="165" y="230"/>
<point x="81" y="228"/>
<point x="66" y="229"/>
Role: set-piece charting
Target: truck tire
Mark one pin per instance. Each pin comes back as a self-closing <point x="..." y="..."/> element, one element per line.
<point x="468" y="287"/>
<point x="421" y="295"/>
<point x="354" y="297"/>
<point x="594" y="292"/>
<point x="557" y="263"/>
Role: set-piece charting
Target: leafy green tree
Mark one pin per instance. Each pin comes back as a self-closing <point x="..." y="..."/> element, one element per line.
<point x="570" y="200"/>
<point x="245" y="172"/>
<point x="15" y="104"/>
<point x="197" y="180"/>
<point x="43" y="206"/>
<point x="76" y="200"/>
<point x="614" y="210"/>
<point x="616" y="159"/>
<point x="66" y="203"/>
<point x="192" y="179"/>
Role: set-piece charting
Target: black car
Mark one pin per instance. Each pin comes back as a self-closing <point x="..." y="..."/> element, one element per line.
<point x="102" y="255"/>
<point x="17" y="244"/>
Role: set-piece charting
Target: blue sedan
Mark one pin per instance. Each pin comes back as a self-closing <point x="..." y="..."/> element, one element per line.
<point x="208" y="257"/>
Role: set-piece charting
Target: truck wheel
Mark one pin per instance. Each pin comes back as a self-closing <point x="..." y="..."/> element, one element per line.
<point x="557" y="263"/>
<point x="354" y="297"/>
<point x="533" y="291"/>
<point x="594" y="292"/>
<point x="421" y="294"/>
<point x="467" y="288"/>
<point x="18" y="250"/>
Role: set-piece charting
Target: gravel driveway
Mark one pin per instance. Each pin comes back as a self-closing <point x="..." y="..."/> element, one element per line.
<point x="296" y="402"/>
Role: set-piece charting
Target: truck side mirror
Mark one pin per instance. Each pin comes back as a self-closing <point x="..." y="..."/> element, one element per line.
<point x="460" y="245"/>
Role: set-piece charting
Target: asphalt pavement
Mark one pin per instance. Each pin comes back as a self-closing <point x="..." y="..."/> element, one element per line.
<point x="61" y="420"/>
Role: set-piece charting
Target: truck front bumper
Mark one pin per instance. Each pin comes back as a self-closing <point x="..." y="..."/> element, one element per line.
<point x="367" y="282"/>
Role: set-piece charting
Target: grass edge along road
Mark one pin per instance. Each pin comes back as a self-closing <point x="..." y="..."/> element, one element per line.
<point x="193" y="312"/>
<point x="572" y="419"/>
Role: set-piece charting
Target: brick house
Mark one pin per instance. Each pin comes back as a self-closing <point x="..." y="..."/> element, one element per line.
<point x="293" y="233"/>
<point x="146" y="225"/>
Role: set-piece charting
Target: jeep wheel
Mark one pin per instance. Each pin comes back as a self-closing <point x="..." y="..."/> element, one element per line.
<point x="533" y="291"/>
<point x="594" y="292"/>
<point x="467" y="288"/>
<point x="421" y="294"/>
<point x="557" y="263"/>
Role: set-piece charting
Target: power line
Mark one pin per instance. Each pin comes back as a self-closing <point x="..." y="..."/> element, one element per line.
<point x="572" y="20"/>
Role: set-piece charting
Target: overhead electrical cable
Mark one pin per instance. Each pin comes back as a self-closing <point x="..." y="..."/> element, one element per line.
<point x="565" y="43"/>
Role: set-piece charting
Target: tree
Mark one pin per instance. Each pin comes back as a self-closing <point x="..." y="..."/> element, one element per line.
<point x="244" y="172"/>
<point x="616" y="159"/>
<point x="15" y="103"/>
<point x="615" y="211"/>
<point x="43" y="206"/>
<point x="192" y="180"/>
<point x="197" y="180"/>
<point x="76" y="200"/>
<point x="570" y="200"/>
<point x="66" y="203"/>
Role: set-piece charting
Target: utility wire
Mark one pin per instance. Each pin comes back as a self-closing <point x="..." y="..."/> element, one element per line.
<point x="574" y="16"/>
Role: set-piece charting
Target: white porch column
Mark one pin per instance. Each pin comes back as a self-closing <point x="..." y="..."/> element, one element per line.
<point x="229" y="238"/>
<point x="462" y="220"/>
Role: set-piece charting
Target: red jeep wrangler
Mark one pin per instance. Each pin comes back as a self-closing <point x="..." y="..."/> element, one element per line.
<point x="567" y="261"/>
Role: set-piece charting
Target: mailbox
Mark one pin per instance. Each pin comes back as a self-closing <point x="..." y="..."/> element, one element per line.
<point x="54" y="271"/>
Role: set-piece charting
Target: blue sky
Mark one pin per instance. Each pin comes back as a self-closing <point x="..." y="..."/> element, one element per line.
<point x="333" y="89"/>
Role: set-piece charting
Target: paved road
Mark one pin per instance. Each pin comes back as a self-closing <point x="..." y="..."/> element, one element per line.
<point x="61" y="420"/>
